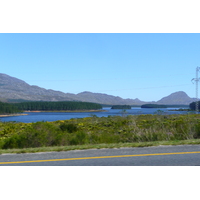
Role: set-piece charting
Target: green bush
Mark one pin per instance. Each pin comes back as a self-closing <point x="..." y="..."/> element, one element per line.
<point x="197" y="130"/>
<point x="38" y="135"/>
<point x="78" y="138"/>
<point x="68" y="127"/>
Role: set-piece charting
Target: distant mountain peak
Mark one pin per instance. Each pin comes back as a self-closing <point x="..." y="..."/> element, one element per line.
<point x="6" y="78"/>
<point x="179" y="97"/>
<point x="179" y="93"/>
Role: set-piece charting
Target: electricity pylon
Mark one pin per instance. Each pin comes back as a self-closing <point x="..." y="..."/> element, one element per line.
<point x="197" y="79"/>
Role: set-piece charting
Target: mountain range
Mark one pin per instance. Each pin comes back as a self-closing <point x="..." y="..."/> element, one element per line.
<point x="15" y="90"/>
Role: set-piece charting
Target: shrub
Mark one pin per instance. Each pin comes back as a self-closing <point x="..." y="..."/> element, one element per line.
<point x="78" y="138"/>
<point x="38" y="135"/>
<point x="197" y="131"/>
<point x="68" y="127"/>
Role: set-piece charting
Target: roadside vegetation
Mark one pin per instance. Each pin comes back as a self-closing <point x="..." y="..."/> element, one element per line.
<point x="101" y="132"/>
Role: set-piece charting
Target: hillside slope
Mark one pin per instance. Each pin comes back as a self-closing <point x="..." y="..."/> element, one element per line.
<point x="15" y="90"/>
<point x="176" y="98"/>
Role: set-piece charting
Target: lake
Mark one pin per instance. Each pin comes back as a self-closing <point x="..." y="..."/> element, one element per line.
<point x="54" y="116"/>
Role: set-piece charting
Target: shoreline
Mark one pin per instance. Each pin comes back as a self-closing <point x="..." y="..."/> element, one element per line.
<point x="36" y="111"/>
<point x="181" y="109"/>
<point x="12" y="115"/>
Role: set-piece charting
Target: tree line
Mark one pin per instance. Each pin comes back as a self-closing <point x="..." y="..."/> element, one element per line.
<point x="60" y="105"/>
<point x="121" y="107"/>
<point x="153" y="106"/>
<point x="11" y="108"/>
<point x="8" y="108"/>
<point x="193" y="105"/>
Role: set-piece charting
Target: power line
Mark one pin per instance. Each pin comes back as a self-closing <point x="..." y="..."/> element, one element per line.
<point x="197" y="79"/>
<point x="144" y="88"/>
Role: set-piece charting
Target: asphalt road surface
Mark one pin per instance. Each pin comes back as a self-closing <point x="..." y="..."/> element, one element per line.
<point x="182" y="155"/>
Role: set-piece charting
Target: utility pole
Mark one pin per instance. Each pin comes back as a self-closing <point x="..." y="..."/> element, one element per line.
<point x="197" y="79"/>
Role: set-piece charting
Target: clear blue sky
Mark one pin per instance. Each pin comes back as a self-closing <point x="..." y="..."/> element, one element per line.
<point x="147" y="66"/>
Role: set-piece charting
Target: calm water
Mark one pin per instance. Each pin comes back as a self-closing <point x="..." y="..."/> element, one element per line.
<point x="53" y="116"/>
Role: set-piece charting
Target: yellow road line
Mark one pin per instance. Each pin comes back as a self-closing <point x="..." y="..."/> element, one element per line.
<point x="99" y="157"/>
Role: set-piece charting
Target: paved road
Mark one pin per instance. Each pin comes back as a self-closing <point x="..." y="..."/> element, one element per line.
<point x="182" y="155"/>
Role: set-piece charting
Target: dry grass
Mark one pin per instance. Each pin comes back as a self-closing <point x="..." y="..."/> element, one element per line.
<point x="100" y="146"/>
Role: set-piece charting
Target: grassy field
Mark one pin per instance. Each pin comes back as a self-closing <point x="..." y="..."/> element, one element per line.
<point x="100" y="132"/>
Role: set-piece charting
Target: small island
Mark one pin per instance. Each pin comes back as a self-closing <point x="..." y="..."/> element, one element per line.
<point x="153" y="106"/>
<point x="121" y="107"/>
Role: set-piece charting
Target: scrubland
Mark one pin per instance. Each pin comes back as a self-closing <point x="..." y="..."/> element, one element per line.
<point x="101" y="132"/>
